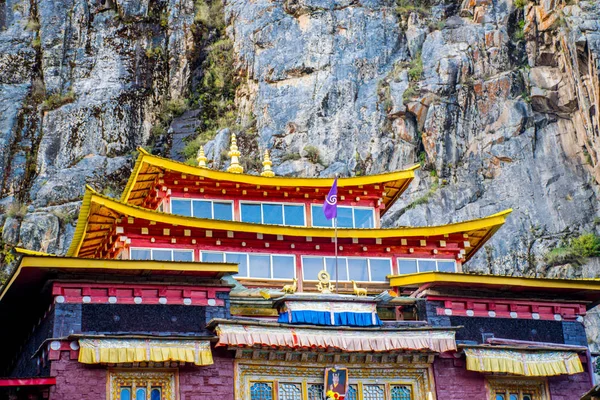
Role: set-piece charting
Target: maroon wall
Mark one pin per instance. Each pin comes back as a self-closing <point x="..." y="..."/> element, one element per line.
<point x="568" y="387"/>
<point x="75" y="381"/>
<point x="454" y="382"/>
<point x="203" y="383"/>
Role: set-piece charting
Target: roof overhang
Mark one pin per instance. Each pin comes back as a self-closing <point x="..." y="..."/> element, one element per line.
<point x="100" y="214"/>
<point x="148" y="168"/>
<point x="585" y="288"/>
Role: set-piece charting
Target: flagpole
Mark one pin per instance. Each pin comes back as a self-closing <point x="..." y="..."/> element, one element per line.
<point x="336" y="257"/>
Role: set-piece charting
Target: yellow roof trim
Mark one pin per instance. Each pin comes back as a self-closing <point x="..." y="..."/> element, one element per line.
<point x="493" y="280"/>
<point x="28" y="252"/>
<point x="492" y="222"/>
<point x="165" y="163"/>
<point x="42" y="261"/>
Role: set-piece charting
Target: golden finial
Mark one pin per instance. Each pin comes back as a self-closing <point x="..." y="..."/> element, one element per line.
<point x="324" y="286"/>
<point x="201" y="158"/>
<point x="267" y="171"/>
<point x="234" y="153"/>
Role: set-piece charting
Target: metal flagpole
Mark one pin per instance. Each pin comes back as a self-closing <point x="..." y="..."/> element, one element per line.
<point x="336" y="257"/>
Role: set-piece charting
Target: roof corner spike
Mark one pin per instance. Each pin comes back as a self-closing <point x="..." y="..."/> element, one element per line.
<point x="234" y="153"/>
<point x="201" y="158"/>
<point x="267" y="171"/>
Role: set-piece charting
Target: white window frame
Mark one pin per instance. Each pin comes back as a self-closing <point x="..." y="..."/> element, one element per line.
<point x="372" y="209"/>
<point x="212" y="206"/>
<point x="161" y="249"/>
<point x="347" y="271"/>
<point x="271" y="255"/>
<point x="437" y="260"/>
<point x="262" y="219"/>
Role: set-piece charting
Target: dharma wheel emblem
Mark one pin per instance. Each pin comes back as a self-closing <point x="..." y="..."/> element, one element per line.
<point x="324" y="286"/>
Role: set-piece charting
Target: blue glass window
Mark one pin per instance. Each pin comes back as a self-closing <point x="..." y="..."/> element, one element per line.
<point x="318" y="218"/>
<point x="212" y="257"/>
<point x="162" y="255"/>
<point x="344" y="217"/>
<point x="357" y="269"/>
<point x="342" y="268"/>
<point x="183" y="255"/>
<point x="155" y="394"/>
<point x="283" y="267"/>
<point x="251" y="213"/>
<point x="363" y="218"/>
<point x="181" y="207"/>
<point x="272" y="214"/>
<point x="141" y="254"/>
<point x="140" y="394"/>
<point x="203" y="209"/>
<point x="311" y="267"/>
<point x="125" y="393"/>
<point x="400" y="393"/>
<point x="407" y="266"/>
<point x="294" y="215"/>
<point x="426" y="265"/>
<point x="352" y="393"/>
<point x="259" y="266"/>
<point x="380" y="269"/>
<point x="446" y="266"/>
<point x="240" y="259"/>
<point x="261" y="391"/>
<point x="223" y="211"/>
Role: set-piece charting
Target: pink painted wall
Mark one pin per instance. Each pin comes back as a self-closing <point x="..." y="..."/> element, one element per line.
<point x="75" y="381"/>
<point x="454" y="382"/>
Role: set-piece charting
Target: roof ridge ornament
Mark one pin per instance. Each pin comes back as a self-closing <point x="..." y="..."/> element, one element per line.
<point x="201" y="158"/>
<point x="234" y="153"/>
<point x="267" y="171"/>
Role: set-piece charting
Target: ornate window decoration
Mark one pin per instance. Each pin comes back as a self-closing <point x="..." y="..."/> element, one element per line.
<point x="142" y="385"/>
<point x="315" y="392"/>
<point x="400" y="392"/>
<point x="261" y="391"/>
<point x="290" y="391"/>
<point x="517" y="389"/>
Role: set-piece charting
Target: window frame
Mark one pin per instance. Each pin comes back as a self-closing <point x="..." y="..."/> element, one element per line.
<point x="347" y="271"/>
<point x="248" y="254"/>
<point x="212" y="207"/>
<point x="165" y="379"/>
<point x="437" y="260"/>
<point x="538" y="387"/>
<point x="372" y="209"/>
<point x="161" y="249"/>
<point x="282" y="204"/>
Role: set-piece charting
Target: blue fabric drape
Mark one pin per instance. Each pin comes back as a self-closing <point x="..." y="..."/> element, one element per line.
<point x="324" y="318"/>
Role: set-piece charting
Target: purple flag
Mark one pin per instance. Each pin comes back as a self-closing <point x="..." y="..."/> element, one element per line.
<point x="330" y="205"/>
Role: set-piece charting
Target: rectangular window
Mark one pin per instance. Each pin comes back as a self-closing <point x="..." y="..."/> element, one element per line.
<point x="517" y="389"/>
<point x="161" y="254"/>
<point x="209" y="209"/>
<point x="257" y="265"/>
<point x="411" y="265"/>
<point x="347" y="217"/>
<point x="349" y="268"/>
<point x="273" y="213"/>
<point x="142" y="385"/>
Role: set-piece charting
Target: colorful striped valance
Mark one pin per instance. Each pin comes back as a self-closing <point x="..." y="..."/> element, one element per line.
<point x="527" y="363"/>
<point x="356" y="341"/>
<point x="329" y="313"/>
<point x="117" y="351"/>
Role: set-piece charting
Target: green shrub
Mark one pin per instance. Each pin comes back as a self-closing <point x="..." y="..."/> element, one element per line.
<point x="36" y="43"/>
<point x="520" y="3"/>
<point x="519" y="33"/>
<point x="415" y="70"/>
<point x="312" y="154"/>
<point x="154" y="52"/>
<point x="16" y="210"/>
<point x="426" y="197"/>
<point x="575" y="251"/>
<point x="32" y="25"/>
<point x="410" y="92"/>
<point x="291" y="157"/>
<point x="57" y="100"/>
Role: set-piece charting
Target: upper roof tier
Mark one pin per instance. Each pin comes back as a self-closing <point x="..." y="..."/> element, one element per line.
<point x="152" y="171"/>
<point x="100" y="216"/>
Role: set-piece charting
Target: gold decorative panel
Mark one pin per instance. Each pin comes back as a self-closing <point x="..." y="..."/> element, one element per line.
<point x="163" y="382"/>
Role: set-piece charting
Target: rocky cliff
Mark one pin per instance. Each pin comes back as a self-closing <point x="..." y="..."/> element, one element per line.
<point x="498" y="100"/>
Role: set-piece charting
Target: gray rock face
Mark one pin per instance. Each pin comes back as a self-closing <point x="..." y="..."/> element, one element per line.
<point x="499" y="104"/>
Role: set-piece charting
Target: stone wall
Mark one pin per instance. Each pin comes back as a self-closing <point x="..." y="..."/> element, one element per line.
<point x="454" y="382"/>
<point x="77" y="381"/>
<point x="213" y="382"/>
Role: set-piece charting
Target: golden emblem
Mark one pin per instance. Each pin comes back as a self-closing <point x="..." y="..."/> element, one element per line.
<point x="324" y="286"/>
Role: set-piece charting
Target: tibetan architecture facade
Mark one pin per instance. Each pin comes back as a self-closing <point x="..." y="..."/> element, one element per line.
<point x="204" y="284"/>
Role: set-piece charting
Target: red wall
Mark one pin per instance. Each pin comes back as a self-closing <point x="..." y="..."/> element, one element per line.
<point x="75" y="381"/>
<point x="454" y="382"/>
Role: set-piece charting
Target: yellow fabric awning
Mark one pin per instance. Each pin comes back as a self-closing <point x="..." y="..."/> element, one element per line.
<point x="117" y="351"/>
<point x="526" y="363"/>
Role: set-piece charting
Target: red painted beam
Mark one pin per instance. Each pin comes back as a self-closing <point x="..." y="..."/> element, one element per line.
<point x="12" y="382"/>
